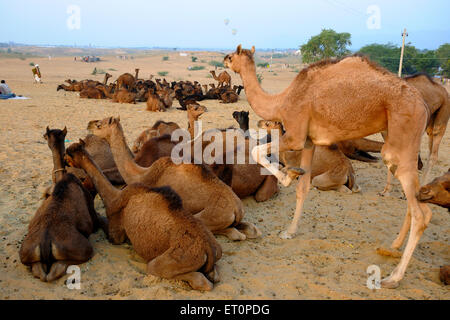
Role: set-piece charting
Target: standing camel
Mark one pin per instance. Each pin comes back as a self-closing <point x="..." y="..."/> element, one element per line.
<point x="224" y="78"/>
<point x="336" y="100"/>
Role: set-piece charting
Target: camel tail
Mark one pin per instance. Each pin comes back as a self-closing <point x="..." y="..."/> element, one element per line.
<point x="46" y="249"/>
<point x="351" y="183"/>
<point x="210" y="258"/>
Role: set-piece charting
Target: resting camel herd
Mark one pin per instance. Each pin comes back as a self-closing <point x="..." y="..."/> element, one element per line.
<point x="171" y="212"/>
<point x="158" y="95"/>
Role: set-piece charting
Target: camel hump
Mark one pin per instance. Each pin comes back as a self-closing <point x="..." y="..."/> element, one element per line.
<point x="174" y="200"/>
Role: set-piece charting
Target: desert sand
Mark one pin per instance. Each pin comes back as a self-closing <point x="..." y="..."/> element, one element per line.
<point x="338" y="234"/>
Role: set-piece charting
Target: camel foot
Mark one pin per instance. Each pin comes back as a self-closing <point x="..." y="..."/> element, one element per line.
<point x="37" y="269"/>
<point x="232" y="234"/>
<point x="249" y="229"/>
<point x="384" y="193"/>
<point x="57" y="270"/>
<point x="343" y="189"/>
<point x="286" y="235"/>
<point x="388" y="283"/>
<point x="213" y="276"/>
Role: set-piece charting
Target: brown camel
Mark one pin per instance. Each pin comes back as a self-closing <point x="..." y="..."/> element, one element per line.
<point x="154" y="103"/>
<point x="437" y="99"/>
<point x="58" y="233"/>
<point x="244" y="179"/>
<point x="160" y="128"/>
<point x="92" y="93"/>
<point x="344" y="99"/>
<point x="437" y="192"/>
<point x="174" y="244"/>
<point x="105" y="80"/>
<point x="224" y="78"/>
<point x="330" y="170"/>
<point x="203" y="194"/>
<point x="126" y="81"/>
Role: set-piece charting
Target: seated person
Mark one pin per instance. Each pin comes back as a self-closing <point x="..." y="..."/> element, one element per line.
<point x="5" y="91"/>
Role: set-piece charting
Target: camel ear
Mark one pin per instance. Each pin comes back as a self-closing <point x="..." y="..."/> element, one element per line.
<point x="47" y="130"/>
<point x="64" y="132"/>
<point x="81" y="142"/>
<point x="253" y="50"/>
<point x="239" y="49"/>
<point x="111" y="120"/>
<point x="118" y="119"/>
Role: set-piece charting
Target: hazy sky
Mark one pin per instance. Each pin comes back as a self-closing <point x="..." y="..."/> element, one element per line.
<point x="221" y="24"/>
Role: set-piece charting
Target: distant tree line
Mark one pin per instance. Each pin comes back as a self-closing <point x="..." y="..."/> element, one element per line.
<point x="329" y="44"/>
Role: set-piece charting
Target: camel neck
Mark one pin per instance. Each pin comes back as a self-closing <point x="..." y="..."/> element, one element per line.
<point x="106" y="190"/>
<point x="191" y="124"/>
<point x="58" y="164"/>
<point x="123" y="157"/>
<point x="265" y="105"/>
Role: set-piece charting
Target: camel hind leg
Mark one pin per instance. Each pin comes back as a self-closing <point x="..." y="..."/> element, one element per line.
<point x="435" y="132"/>
<point x="170" y="266"/>
<point x="400" y="155"/>
<point x="268" y="188"/>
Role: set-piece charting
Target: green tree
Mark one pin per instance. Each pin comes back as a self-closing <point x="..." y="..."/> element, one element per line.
<point x="386" y="55"/>
<point x="443" y="56"/>
<point x="327" y="44"/>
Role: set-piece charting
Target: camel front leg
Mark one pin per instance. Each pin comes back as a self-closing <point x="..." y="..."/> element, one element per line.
<point x="259" y="154"/>
<point x="301" y="192"/>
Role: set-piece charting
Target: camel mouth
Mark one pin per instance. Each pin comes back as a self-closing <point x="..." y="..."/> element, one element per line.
<point x="92" y="124"/>
<point x="424" y="195"/>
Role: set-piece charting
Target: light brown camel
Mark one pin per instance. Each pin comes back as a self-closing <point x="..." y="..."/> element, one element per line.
<point x="174" y="244"/>
<point x="330" y="169"/>
<point x="58" y="232"/>
<point x="224" y="78"/>
<point x="437" y="99"/>
<point x="203" y="194"/>
<point x="336" y="100"/>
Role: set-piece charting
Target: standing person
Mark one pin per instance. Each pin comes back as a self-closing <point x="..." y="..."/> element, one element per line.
<point x="5" y="91"/>
<point x="36" y="73"/>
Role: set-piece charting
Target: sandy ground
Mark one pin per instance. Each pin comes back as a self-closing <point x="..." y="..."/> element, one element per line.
<point x="338" y="234"/>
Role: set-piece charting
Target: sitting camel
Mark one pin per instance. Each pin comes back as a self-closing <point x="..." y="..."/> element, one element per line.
<point x="203" y="194"/>
<point x="331" y="169"/>
<point x="343" y="99"/>
<point x="437" y="192"/>
<point x="245" y="179"/>
<point x="58" y="233"/>
<point x="126" y="81"/>
<point x="174" y="244"/>
<point x="160" y="128"/>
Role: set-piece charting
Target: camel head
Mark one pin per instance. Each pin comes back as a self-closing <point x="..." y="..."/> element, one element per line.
<point x="55" y="139"/>
<point x="143" y="138"/>
<point x="103" y="128"/>
<point x="437" y="192"/>
<point x="270" y="125"/>
<point x="235" y="61"/>
<point x="241" y="116"/>
<point x="74" y="154"/>
<point x="196" y="110"/>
